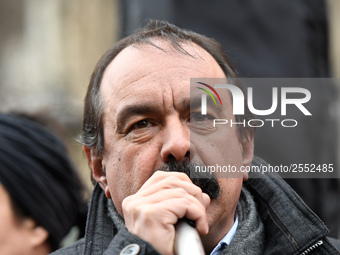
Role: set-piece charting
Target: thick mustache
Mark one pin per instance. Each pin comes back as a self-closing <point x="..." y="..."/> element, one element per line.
<point x="206" y="181"/>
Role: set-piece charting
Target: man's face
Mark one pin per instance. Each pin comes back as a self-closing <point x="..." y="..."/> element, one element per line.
<point x="147" y="119"/>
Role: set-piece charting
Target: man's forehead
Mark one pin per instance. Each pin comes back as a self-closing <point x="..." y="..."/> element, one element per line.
<point x="143" y="55"/>
<point x="134" y="54"/>
<point x="138" y="66"/>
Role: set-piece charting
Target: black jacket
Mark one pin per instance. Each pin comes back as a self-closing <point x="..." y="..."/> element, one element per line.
<point x="290" y="226"/>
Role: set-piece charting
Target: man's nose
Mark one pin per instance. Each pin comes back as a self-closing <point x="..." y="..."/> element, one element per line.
<point x="176" y="142"/>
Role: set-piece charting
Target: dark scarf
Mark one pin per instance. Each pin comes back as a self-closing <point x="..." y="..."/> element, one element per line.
<point x="249" y="237"/>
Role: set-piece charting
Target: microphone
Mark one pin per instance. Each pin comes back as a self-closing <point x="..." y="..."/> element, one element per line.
<point x="187" y="239"/>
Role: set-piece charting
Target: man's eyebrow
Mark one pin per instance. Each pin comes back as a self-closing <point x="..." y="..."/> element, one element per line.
<point x="186" y="104"/>
<point x="136" y="109"/>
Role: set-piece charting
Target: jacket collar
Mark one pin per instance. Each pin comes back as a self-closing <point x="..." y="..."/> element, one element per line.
<point x="290" y="225"/>
<point x="99" y="227"/>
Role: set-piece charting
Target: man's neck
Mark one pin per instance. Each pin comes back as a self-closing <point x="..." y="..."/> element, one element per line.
<point x="215" y="235"/>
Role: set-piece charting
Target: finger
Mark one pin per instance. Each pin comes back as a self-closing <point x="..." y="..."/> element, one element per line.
<point x="183" y="207"/>
<point x="160" y="175"/>
<point x="206" y="200"/>
<point x="166" y="214"/>
<point x="137" y="202"/>
<point x="162" y="204"/>
<point x="172" y="182"/>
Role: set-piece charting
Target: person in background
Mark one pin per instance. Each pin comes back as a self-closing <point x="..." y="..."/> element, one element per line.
<point x="41" y="195"/>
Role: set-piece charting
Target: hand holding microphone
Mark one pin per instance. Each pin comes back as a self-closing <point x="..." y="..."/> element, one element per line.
<point x="154" y="211"/>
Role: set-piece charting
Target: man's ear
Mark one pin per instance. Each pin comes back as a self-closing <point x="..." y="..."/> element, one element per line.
<point x="247" y="144"/>
<point x="98" y="169"/>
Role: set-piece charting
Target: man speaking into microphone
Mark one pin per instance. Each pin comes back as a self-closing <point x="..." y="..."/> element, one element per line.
<point x="143" y="138"/>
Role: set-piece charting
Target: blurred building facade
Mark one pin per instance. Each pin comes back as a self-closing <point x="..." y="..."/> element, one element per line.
<point x="48" y="50"/>
<point x="334" y="36"/>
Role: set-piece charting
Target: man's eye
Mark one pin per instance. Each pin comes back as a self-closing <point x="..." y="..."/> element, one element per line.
<point x="140" y="124"/>
<point x="199" y="117"/>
